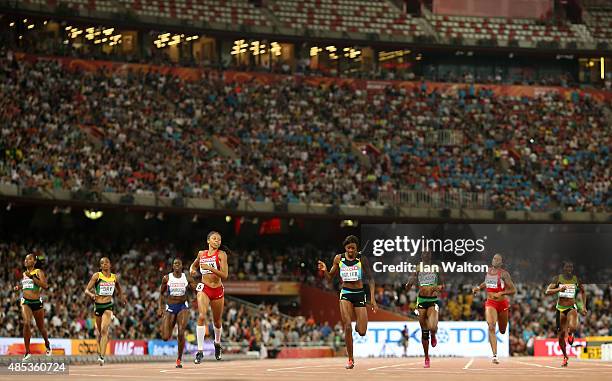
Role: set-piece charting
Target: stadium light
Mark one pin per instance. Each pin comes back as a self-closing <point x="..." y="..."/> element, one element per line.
<point x="602" y="71"/>
<point x="93" y="214"/>
<point x="228" y="219"/>
<point x="31" y="26"/>
<point x="12" y="24"/>
<point x="276" y="48"/>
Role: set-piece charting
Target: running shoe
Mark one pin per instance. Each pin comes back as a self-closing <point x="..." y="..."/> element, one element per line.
<point x="199" y="357"/>
<point x="218" y="351"/>
<point x="48" y="351"/>
<point x="495" y="360"/>
<point x="564" y="363"/>
<point x="26" y="357"/>
<point x="100" y="360"/>
<point x="434" y="341"/>
<point x="178" y="363"/>
<point x="350" y="364"/>
<point x="570" y="339"/>
<point x="427" y="365"/>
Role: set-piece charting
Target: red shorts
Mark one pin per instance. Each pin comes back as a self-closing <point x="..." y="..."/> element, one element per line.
<point x="214" y="293"/>
<point x="500" y="306"/>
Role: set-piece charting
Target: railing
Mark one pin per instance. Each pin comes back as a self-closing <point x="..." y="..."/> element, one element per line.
<point x="456" y="199"/>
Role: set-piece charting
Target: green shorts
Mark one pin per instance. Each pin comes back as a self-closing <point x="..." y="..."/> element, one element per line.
<point x="356" y="296"/>
<point x="424" y="302"/>
<point x="34" y="304"/>
<point x="101" y="307"/>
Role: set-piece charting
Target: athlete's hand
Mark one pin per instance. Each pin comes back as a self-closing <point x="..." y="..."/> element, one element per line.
<point x="475" y="290"/>
<point x="16" y="288"/>
<point x="583" y="311"/>
<point x="374" y="307"/>
<point x="562" y="288"/>
<point x="321" y="266"/>
<point x="160" y="311"/>
<point x="92" y="296"/>
<point x="193" y="273"/>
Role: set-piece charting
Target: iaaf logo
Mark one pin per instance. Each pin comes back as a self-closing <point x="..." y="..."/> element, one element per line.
<point x="128" y="348"/>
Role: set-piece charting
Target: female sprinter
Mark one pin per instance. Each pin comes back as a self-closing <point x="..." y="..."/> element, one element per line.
<point x="212" y="264"/>
<point x="352" y="268"/>
<point x="566" y="287"/>
<point x="32" y="282"/>
<point x="498" y="284"/>
<point x="430" y="286"/>
<point x="105" y="284"/>
<point x="175" y="284"/>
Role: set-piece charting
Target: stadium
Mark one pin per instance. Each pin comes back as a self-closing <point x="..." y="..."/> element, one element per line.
<point x="348" y="189"/>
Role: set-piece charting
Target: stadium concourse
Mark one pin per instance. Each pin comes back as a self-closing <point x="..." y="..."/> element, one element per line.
<point x="331" y="369"/>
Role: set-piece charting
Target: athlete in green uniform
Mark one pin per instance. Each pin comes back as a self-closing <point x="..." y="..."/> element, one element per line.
<point x="430" y="286"/>
<point x="105" y="284"/>
<point x="353" y="268"/>
<point x="32" y="281"/>
<point x="566" y="287"/>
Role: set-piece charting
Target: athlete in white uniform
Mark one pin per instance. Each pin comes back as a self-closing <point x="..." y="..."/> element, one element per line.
<point x="175" y="285"/>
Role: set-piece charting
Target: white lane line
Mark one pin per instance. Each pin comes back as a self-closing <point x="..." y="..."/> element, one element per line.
<point x="395" y="365"/>
<point x="526" y="363"/>
<point x="467" y="366"/>
<point x="386" y="366"/>
<point x="296" y="367"/>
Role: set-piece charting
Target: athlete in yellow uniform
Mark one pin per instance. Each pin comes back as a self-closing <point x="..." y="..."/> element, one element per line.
<point x="566" y="287"/>
<point x="105" y="284"/>
<point x="32" y="282"/>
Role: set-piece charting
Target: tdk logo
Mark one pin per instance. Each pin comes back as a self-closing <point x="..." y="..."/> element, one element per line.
<point x="458" y="335"/>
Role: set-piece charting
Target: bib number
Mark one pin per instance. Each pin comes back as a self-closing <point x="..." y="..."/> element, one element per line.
<point x="200" y="287"/>
<point x="350" y="274"/>
<point x="107" y="289"/>
<point x="491" y="282"/>
<point x="570" y="291"/>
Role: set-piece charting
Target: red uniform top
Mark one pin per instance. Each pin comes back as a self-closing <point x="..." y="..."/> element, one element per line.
<point x="494" y="282"/>
<point x="211" y="260"/>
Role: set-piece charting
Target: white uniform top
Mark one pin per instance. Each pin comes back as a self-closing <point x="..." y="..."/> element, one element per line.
<point x="177" y="286"/>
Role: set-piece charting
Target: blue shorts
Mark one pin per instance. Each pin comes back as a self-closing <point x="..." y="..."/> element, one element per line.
<point x="176" y="308"/>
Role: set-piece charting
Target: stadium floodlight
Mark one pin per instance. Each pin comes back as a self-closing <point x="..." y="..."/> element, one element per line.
<point x="602" y="71"/>
<point x="228" y="219"/>
<point x="93" y="214"/>
<point x="12" y="24"/>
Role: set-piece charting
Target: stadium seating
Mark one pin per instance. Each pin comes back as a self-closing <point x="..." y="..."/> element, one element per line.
<point x="293" y="141"/>
<point x="345" y="16"/>
<point x="239" y="12"/>
<point x="500" y="29"/>
<point x="599" y="21"/>
<point x="85" y="5"/>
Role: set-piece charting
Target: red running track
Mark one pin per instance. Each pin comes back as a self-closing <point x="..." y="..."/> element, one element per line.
<point x="332" y="369"/>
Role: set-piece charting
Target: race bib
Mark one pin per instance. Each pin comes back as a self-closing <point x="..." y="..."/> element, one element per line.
<point x="177" y="288"/>
<point x="106" y="288"/>
<point x="200" y="287"/>
<point x="491" y="281"/>
<point x="570" y="291"/>
<point x="210" y="261"/>
<point x="427" y="279"/>
<point x="350" y="273"/>
<point x="27" y="284"/>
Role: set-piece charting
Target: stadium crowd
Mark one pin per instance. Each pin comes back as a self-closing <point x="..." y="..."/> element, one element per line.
<point x="141" y="266"/>
<point x="134" y="133"/>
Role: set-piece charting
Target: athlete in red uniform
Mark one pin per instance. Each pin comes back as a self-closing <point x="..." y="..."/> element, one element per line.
<point x="498" y="284"/>
<point x="212" y="265"/>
